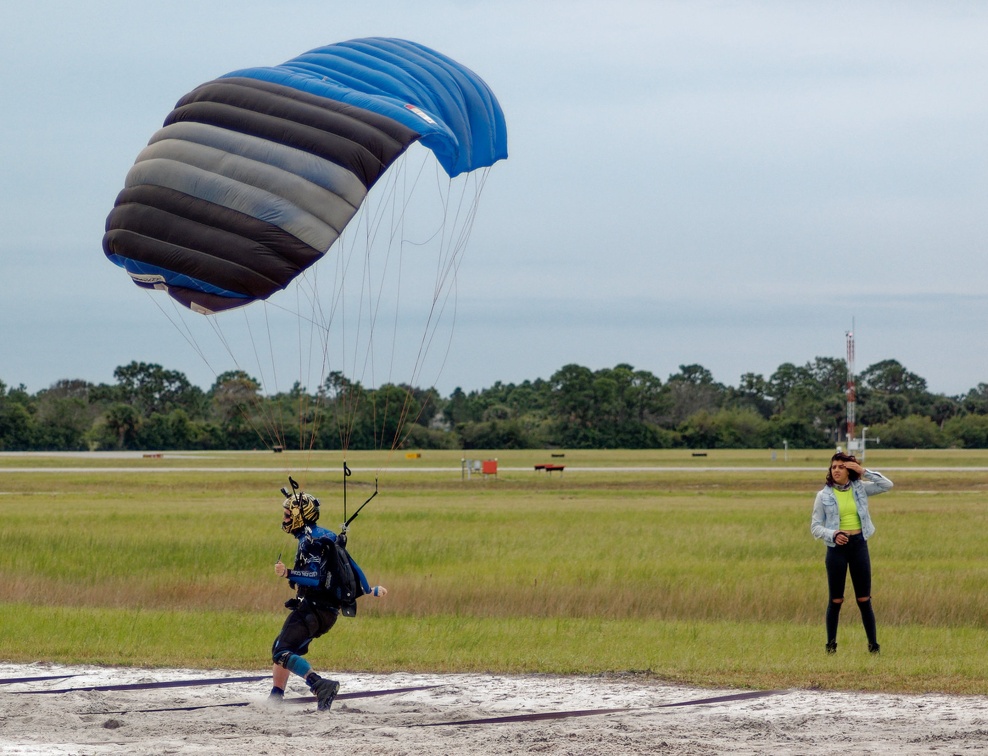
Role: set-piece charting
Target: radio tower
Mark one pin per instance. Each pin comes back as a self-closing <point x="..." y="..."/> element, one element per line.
<point x="850" y="384"/>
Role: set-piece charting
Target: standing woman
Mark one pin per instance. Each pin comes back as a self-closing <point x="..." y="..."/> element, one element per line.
<point x="841" y="520"/>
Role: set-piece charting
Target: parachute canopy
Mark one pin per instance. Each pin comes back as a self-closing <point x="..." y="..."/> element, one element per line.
<point x="254" y="175"/>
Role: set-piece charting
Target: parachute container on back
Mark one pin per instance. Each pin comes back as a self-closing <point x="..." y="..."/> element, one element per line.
<point x="254" y="175"/>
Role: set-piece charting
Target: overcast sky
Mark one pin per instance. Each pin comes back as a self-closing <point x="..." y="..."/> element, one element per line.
<point x="728" y="184"/>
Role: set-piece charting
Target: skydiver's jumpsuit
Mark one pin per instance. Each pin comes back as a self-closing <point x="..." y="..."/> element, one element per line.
<point x="315" y="610"/>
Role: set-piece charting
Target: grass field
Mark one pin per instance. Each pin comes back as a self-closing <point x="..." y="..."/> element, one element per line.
<point x="694" y="569"/>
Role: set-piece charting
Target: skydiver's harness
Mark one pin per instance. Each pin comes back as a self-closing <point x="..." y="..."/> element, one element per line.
<point x="332" y="564"/>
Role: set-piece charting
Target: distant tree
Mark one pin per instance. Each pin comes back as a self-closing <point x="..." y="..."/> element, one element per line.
<point x="238" y="410"/>
<point x="829" y="372"/>
<point x="890" y="377"/>
<point x="616" y="407"/>
<point x="61" y="424"/>
<point x="886" y="390"/>
<point x="428" y="403"/>
<point x="573" y="403"/>
<point x="811" y="397"/>
<point x="494" y="434"/>
<point x="752" y="393"/>
<point x="691" y="390"/>
<point x="150" y="388"/>
<point x="976" y="400"/>
<point x="64" y="413"/>
<point x="830" y="375"/>
<point x="941" y="408"/>
<point x="967" y="431"/>
<point x="783" y="385"/>
<point x="797" y="432"/>
<point x="912" y="432"/>
<point x="619" y="407"/>
<point x="341" y="400"/>
<point x="725" y="429"/>
<point x="630" y="404"/>
<point x="392" y="410"/>
<point x="118" y="429"/>
<point x="172" y="431"/>
<point x="459" y="409"/>
<point x="16" y="421"/>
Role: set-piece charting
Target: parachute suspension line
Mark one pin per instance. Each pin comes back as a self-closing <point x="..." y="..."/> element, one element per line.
<point x="275" y="434"/>
<point x="399" y="238"/>
<point x="365" y="236"/>
<point x="307" y="332"/>
<point x="177" y="318"/>
<point x="300" y="408"/>
<point x="318" y="332"/>
<point x="459" y="243"/>
<point x="346" y="401"/>
<point x="403" y="428"/>
<point x="317" y="336"/>
<point x="398" y="207"/>
<point x="444" y="292"/>
<point x="448" y="262"/>
<point x="240" y="405"/>
<point x="271" y="416"/>
<point x="398" y="230"/>
<point x="444" y="297"/>
<point x="180" y="324"/>
<point x="314" y="313"/>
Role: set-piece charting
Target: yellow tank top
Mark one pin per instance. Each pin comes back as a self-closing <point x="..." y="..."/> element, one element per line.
<point x="848" y="510"/>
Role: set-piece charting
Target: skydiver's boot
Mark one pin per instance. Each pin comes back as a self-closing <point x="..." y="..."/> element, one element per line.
<point x="276" y="696"/>
<point x="325" y="690"/>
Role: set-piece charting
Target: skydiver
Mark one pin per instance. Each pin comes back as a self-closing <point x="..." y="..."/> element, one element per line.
<point x="315" y="609"/>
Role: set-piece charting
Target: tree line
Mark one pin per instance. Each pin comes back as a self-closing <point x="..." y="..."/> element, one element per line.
<point x="152" y="408"/>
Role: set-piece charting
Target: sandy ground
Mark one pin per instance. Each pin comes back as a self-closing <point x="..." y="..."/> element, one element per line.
<point x="415" y="722"/>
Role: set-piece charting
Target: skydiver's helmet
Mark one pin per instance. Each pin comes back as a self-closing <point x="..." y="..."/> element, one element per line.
<point x="299" y="512"/>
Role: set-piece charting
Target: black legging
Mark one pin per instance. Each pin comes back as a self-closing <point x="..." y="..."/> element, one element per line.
<point x="852" y="557"/>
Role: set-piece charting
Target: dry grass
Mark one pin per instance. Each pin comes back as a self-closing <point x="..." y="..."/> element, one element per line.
<point x="702" y="576"/>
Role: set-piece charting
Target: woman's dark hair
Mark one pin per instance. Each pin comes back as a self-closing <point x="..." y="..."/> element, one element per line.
<point x="842" y="457"/>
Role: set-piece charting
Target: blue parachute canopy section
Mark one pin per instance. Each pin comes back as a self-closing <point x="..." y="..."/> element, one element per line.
<point x="254" y="175"/>
<point x="455" y="112"/>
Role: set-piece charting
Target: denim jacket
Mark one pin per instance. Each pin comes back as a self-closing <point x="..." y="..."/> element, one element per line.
<point x="826" y="518"/>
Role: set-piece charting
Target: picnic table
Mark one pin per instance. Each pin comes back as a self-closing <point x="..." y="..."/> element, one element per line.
<point x="550" y="468"/>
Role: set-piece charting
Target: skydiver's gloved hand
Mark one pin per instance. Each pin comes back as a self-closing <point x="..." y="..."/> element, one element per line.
<point x="379" y="590"/>
<point x="293" y="603"/>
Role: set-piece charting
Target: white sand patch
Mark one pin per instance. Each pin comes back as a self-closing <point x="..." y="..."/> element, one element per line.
<point x="791" y="722"/>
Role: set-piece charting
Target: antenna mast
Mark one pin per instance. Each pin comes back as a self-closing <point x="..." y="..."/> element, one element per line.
<point x="850" y="384"/>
